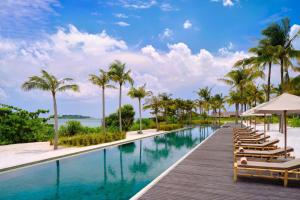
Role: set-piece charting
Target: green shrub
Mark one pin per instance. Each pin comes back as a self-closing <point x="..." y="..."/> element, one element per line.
<point x="71" y="128"/>
<point x="146" y="124"/>
<point x="169" y="127"/>
<point x="127" y="112"/>
<point x="90" y="139"/>
<point x="294" y="122"/>
<point x="74" y="127"/>
<point x="20" y="126"/>
<point x="201" y="121"/>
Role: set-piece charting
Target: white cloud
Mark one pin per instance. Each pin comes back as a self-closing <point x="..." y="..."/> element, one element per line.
<point x="226" y="3"/>
<point x="121" y="15"/>
<point x="121" y="23"/>
<point x="166" y="34"/>
<point x="3" y="94"/>
<point x="76" y="54"/>
<point x="187" y="24"/>
<point x="167" y="7"/>
<point x="17" y="15"/>
<point x="136" y="4"/>
<point x="294" y="30"/>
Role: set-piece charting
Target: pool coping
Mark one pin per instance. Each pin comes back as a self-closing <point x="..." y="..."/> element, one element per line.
<point x="42" y="161"/>
<point x="167" y="171"/>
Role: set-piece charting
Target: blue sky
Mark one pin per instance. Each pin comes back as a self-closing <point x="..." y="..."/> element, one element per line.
<point x="173" y="46"/>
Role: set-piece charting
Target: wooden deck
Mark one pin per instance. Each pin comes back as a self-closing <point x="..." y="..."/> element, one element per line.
<point x="207" y="173"/>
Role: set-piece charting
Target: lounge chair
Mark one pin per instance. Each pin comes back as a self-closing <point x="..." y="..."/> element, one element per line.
<point x="252" y="140"/>
<point x="249" y="136"/>
<point x="269" y="155"/>
<point x="289" y="170"/>
<point x="269" y="145"/>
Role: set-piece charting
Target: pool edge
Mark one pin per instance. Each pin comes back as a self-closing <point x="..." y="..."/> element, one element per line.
<point x="43" y="161"/>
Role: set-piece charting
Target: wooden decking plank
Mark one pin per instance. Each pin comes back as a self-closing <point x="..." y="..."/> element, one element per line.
<point x="207" y="173"/>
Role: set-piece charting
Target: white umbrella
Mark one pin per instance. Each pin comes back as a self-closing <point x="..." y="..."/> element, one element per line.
<point x="251" y="112"/>
<point x="283" y="104"/>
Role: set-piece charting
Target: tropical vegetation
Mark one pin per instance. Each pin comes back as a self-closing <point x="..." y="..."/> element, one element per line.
<point x="50" y="83"/>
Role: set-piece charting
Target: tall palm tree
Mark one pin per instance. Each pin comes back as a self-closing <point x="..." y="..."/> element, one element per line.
<point x="234" y="98"/>
<point x="154" y="103"/>
<point x="48" y="82"/>
<point x="239" y="79"/>
<point x="278" y="34"/>
<point x="139" y="93"/>
<point x="117" y="73"/>
<point x="205" y="95"/>
<point x="218" y="102"/>
<point x="102" y="81"/>
<point x="165" y="103"/>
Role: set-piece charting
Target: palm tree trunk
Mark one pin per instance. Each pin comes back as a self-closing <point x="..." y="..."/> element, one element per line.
<point x="120" y="105"/>
<point x="269" y="81"/>
<point x="281" y="74"/>
<point x="103" y="109"/>
<point x="140" y="113"/>
<point x="55" y="122"/>
<point x="156" y="120"/>
<point x="236" y="112"/>
<point x="219" y="116"/>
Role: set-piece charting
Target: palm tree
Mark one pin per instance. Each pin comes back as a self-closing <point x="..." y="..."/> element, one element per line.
<point x="239" y="79"/>
<point x="278" y="34"/>
<point x="218" y="102"/>
<point x="205" y="95"/>
<point x="189" y="106"/>
<point x="139" y="93"/>
<point x="48" y="82"/>
<point x="234" y="98"/>
<point x="165" y="103"/>
<point x="154" y="103"/>
<point x="102" y="81"/>
<point x="117" y="73"/>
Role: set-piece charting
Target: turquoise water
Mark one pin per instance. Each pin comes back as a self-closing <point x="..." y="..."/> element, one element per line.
<point x="113" y="173"/>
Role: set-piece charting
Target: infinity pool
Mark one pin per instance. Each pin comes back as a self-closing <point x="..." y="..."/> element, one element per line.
<point x="117" y="172"/>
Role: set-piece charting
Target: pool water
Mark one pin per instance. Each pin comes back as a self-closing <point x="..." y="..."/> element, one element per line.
<point x="117" y="172"/>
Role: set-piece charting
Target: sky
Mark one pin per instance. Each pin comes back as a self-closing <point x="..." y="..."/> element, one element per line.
<point x="172" y="46"/>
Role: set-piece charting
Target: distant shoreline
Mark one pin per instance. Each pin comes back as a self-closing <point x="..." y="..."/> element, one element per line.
<point x="74" y="117"/>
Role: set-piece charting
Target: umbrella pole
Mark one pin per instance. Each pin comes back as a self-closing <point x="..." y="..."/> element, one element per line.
<point x="265" y="125"/>
<point x="255" y="123"/>
<point x="285" y="132"/>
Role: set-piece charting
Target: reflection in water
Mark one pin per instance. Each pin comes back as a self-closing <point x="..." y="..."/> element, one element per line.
<point x="111" y="173"/>
<point x="57" y="180"/>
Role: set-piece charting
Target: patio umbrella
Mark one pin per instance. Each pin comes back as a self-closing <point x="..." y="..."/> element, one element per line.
<point x="284" y="104"/>
<point x="251" y="112"/>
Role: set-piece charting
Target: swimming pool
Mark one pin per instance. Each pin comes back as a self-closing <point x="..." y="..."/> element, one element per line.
<point x="117" y="172"/>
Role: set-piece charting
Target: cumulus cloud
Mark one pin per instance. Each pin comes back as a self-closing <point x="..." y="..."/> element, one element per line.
<point x="121" y="23"/>
<point x="187" y="24"/>
<point x="167" y="7"/>
<point x="166" y="34"/>
<point x="294" y="30"/>
<point x="121" y="15"/>
<point x="135" y="4"/>
<point x="226" y="3"/>
<point x="73" y="53"/>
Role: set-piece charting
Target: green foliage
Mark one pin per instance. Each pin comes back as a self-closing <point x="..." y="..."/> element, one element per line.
<point x="74" y="127"/>
<point x="146" y="124"/>
<point x="20" y="126"/>
<point x="169" y="127"/>
<point x="112" y="121"/>
<point x="202" y="121"/>
<point x="294" y="122"/>
<point x="90" y="139"/>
